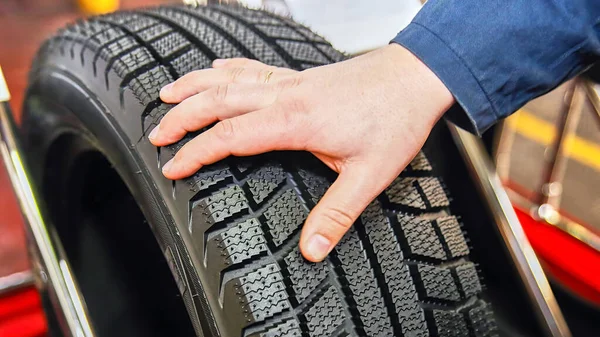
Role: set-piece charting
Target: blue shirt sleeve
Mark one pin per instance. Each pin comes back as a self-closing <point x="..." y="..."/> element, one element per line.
<point x="496" y="55"/>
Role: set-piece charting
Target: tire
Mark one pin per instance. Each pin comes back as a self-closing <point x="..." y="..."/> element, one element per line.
<point x="230" y="232"/>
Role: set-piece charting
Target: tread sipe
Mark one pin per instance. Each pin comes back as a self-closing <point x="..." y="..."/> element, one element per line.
<point x="402" y="270"/>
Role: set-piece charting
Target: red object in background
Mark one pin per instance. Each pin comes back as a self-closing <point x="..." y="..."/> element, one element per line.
<point x="21" y="314"/>
<point x="564" y="257"/>
<point x="571" y="262"/>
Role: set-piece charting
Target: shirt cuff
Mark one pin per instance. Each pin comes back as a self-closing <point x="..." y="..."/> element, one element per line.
<point x="455" y="75"/>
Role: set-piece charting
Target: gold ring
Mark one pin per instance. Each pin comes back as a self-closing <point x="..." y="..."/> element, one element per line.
<point x="268" y="77"/>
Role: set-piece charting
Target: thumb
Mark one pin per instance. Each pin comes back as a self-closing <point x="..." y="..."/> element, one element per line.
<point x="343" y="203"/>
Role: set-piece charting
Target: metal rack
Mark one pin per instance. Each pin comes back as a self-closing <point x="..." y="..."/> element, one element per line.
<point x="546" y="204"/>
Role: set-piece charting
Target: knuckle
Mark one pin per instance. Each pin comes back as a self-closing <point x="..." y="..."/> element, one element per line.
<point x="169" y="122"/>
<point x="262" y="75"/>
<point x="179" y="158"/>
<point x="186" y="160"/>
<point x="339" y="217"/>
<point x="235" y="73"/>
<point x="290" y="82"/>
<point x="186" y="120"/>
<point x="224" y="130"/>
<point x="186" y="80"/>
<point x="220" y="93"/>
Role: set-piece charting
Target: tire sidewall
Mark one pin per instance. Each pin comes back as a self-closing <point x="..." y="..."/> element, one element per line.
<point x="57" y="104"/>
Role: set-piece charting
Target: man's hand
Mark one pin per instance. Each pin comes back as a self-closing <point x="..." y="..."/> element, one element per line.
<point x="365" y="118"/>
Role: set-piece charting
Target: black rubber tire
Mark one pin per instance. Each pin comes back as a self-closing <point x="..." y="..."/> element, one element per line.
<point x="230" y="232"/>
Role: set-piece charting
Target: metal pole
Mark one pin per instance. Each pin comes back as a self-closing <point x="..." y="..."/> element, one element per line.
<point x="508" y="224"/>
<point x="54" y="275"/>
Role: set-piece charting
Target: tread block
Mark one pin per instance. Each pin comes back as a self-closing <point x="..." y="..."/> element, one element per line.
<point x="171" y="44"/>
<point x="252" y="16"/>
<point x="86" y="29"/>
<point x="245" y="36"/>
<point x="219" y="206"/>
<point x="316" y="185"/>
<point x="468" y="278"/>
<point x="420" y="193"/>
<point x="119" y="46"/>
<point x="279" y="31"/>
<point x="480" y="317"/>
<point x="420" y="163"/>
<point x="263" y="182"/>
<point x="154" y="31"/>
<point x="438" y="283"/>
<point x="240" y="243"/>
<point x="188" y="22"/>
<point x="259" y="294"/>
<point x="434" y="192"/>
<point x="450" y="323"/>
<point x="106" y="36"/>
<point x="146" y="86"/>
<point x="208" y="176"/>
<point x="382" y="237"/>
<point x="289" y="327"/>
<point x="133" y="22"/>
<point x="284" y="216"/>
<point x="453" y="236"/>
<point x="363" y="285"/>
<point x="306" y="32"/>
<point x="403" y="191"/>
<point x="189" y="61"/>
<point x="302" y="51"/>
<point x="331" y="52"/>
<point x="305" y="277"/>
<point x="138" y="58"/>
<point x="325" y="315"/>
<point x="421" y="237"/>
<point x="396" y="273"/>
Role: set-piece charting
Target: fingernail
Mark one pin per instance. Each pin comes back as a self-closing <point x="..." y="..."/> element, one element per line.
<point x="167" y="166"/>
<point x="166" y="89"/>
<point x="318" y="247"/>
<point x="219" y="62"/>
<point x="154" y="132"/>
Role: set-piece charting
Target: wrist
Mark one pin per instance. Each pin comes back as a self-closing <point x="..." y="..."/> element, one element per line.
<point x="423" y="81"/>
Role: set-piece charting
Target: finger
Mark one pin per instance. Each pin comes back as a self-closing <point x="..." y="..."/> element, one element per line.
<point x="218" y="103"/>
<point x="250" y="134"/>
<point x="339" y="208"/>
<point x="241" y="62"/>
<point x="200" y="80"/>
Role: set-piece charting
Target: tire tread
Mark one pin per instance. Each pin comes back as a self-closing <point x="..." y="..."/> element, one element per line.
<point x="402" y="270"/>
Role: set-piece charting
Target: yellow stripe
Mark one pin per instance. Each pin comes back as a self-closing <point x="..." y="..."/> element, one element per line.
<point x="98" y="6"/>
<point x="540" y="131"/>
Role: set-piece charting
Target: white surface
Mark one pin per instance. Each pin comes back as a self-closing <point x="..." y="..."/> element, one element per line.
<point x="352" y="26"/>
<point x="4" y="94"/>
<point x="355" y="26"/>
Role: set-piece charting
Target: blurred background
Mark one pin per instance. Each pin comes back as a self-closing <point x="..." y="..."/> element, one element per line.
<point x="547" y="154"/>
<point x="24" y="25"/>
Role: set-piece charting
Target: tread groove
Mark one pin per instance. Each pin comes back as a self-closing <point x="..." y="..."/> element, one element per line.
<point x="179" y="29"/>
<point x="286" y="56"/>
<point x="145" y="44"/>
<point x="308" y="39"/>
<point x="338" y="272"/>
<point x="381" y="282"/>
<point x="247" y="53"/>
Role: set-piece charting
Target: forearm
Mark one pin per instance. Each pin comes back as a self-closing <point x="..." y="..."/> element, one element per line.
<point x="495" y="56"/>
